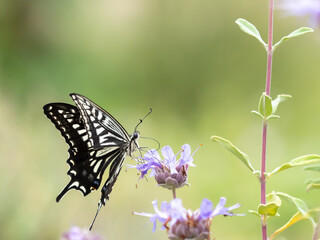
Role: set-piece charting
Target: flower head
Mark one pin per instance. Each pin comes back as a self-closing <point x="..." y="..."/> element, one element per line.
<point x="171" y="171"/>
<point x="76" y="233"/>
<point x="187" y="224"/>
<point x="300" y="8"/>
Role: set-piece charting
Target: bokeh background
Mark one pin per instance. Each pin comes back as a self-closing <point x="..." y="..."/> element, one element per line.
<point x="189" y="62"/>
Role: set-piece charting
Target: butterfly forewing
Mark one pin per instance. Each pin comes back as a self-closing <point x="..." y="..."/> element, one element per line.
<point x="86" y="164"/>
<point x="103" y="129"/>
<point x="66" y="118"/>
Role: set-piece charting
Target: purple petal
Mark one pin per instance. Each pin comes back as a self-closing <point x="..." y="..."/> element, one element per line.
<point x="177" y="212"/>
<point x="169" y="158"/>
<point x="77" y="233"/>
<point x="168" y="153"/>
<point x="206" y="208"/>
<point x="152" y="155"/>
<point x="161" y="215"/>
<point x="153" y="173"/>
<point x="153" y="219"/>
<point x="186" y="156"/>
<point x="165" y="207"/>
<point x="302" y="8"/>
<point x="221" y="210"/>
<point x="143" y="214"/>
<point x="186" y="152"/>
<point x="151" y="161"/>
<point x="234" y="206"/>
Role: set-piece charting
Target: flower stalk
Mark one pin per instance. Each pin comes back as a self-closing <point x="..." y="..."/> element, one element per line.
<point x="174" y="193"/>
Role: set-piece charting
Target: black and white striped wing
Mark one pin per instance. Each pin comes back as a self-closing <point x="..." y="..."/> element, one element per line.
<point x="86" y="164"/>
<point x="115" y="169"/>
<point x="96" y="140"/>
<point x="103" y="129"/>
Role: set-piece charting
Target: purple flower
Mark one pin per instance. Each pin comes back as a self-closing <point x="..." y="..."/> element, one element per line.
<point x="187" y="224"/>
<point x="301" y="8"/>
<point x="76" y="233"/>
<point x="171" y="171"/>
<point x="160" y="215"/>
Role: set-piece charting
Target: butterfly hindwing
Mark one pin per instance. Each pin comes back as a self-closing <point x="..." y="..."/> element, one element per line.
<point x="114" y="171"/>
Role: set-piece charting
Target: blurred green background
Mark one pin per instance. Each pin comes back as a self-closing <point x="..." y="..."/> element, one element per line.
<point x="189" y="62"/>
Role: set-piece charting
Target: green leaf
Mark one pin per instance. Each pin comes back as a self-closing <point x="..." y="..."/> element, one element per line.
<point x="299" y="161"/>
<point x="234" y="150"/>
<point x="295" y="218"/>
<point x="273" y="198"/>
<point x="254" y="213"/>
<point x="309" y="181"/>
<point x="273" y="117"/>
<point x="302" y="214"/>
<point x="298" y="203"/>
<point x="313" y="168"/>
<point x="257" y="113"/>
<point x="313" y="186"/>
<point x="257" y="173"/>
<point x="268" y="107"/>
<point x="295" y="33"/>
<point x="250" y="29"/>
<point x="265" y="105"/>
<point x="269" y="209"/>
<point x="280" y="98"/>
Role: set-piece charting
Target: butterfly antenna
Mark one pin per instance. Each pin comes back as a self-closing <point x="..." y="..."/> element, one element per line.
<point x="99" y="207"/>
<point x="150" y="111"/>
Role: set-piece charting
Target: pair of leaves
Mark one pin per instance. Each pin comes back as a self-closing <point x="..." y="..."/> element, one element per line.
<point x="269" y="209"/>
<point x="303" y="212"/>
<point x="274" y="201"/>
<point x="299" y="161"/>
<point x="250" y="29"/>
<point x="268" y="107"/>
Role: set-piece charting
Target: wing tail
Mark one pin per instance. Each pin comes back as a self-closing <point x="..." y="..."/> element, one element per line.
<point x="94" y="219"/>
<point x="64" y="191"/>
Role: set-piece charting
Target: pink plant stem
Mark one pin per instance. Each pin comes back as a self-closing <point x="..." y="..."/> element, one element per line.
<point x="262" y="178"/>
<point x="265" y="123"/>
<point x="270" y="51"/>
<point x="316" y="230"/>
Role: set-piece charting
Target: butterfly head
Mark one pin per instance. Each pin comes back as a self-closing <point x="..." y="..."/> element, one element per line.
<point x="135" y="136"/>
<point x="133" y="143"/>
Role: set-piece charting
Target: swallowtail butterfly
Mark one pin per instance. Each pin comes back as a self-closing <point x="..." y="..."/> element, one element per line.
<point x="96" y="139"/>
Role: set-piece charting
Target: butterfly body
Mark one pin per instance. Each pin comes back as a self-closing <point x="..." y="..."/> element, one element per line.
<point x="96" y="140"/>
